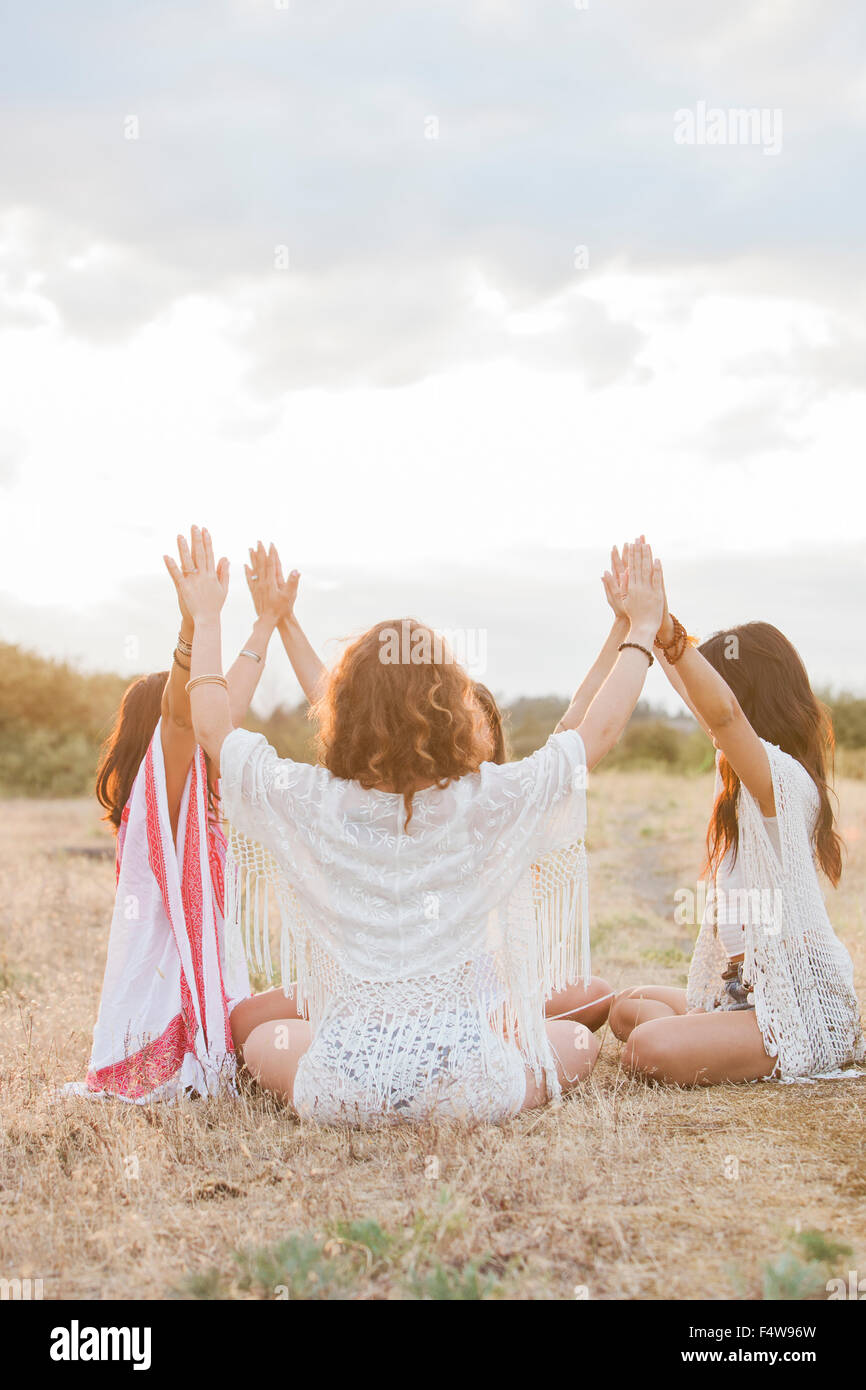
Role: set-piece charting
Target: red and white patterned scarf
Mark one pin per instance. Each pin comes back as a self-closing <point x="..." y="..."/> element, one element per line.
<point x="163" y="1025"/>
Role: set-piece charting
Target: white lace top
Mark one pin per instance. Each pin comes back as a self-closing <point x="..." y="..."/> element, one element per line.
<point x="423" y="956"/>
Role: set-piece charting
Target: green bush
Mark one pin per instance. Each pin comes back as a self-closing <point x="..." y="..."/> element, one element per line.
<point x="52" y="722"/>
<point x="655" y="742"/>
<point x="44" y="762"/>
<point x="849" y="719"/>
<point x="803" y="1270"/>
<point x="289" y="730"/>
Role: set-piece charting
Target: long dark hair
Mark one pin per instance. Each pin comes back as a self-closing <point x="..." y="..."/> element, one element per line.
<point x="768" y="677"/>
<point x="124" y="749"/>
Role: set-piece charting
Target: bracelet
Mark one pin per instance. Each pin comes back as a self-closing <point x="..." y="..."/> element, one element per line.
<point x="184" y="646"/>
<point x="202" y="680"/>
<point x="246" y="652"/>
<point x="184" y="666"/>
<point x="638" y="648"/>
<point x="674" y="650"/>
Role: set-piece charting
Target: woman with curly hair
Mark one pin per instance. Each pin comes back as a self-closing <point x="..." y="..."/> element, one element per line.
<point x="422" y="944"/>
<point x="585" y="1001"/>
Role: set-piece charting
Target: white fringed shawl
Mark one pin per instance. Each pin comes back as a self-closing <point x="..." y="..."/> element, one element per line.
<point x="481" y="906"/>
<point x="801" y="974"/>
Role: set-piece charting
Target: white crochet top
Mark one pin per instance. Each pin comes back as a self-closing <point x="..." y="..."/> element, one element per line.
<point x="801" y="974"/>
<point x="733" y="901"/>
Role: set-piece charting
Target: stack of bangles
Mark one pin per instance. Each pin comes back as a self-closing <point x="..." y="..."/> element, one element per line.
<point x="673" y="650"/>
<point x="206" y="680"/>
<point x="182" y="653"/>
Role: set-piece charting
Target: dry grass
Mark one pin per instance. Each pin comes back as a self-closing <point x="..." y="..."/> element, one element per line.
<point x="624" y="1190"/>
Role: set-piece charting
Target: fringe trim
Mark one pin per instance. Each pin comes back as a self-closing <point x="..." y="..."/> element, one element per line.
<point x="538" y="959"/>
<point x="562" y="933"/>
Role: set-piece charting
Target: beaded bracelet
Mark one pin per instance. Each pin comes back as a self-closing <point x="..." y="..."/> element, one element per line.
<point x="184" y="665"/>
<point x="638" y="648"/>
<point x="674" y="650"/>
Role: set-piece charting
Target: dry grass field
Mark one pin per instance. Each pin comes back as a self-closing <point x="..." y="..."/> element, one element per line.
<point x="626" y="1191"/>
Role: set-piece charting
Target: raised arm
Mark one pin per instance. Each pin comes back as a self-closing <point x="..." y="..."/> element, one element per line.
<point x="604" y="662"/>
<point x="601" y="724"/>
<point x="714" y="704"/>
<point x="246" y="671"/>
<point x="176" y="732"/>
<point x="310" y="670"/>
<point x="203" y="589"/>
<point x="618" y="579"/>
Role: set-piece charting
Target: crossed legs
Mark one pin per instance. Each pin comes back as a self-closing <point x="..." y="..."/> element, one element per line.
<point x="663" y="1042"/>
<point x="270" y="1040"/>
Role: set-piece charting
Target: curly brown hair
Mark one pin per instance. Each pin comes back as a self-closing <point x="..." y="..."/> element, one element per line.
<point x="400" y="713"/>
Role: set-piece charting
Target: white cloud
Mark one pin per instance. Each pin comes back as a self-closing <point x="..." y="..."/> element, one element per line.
<point x="432" y="379"/>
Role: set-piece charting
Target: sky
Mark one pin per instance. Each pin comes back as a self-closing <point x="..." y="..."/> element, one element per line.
<point x="439" y="299"/>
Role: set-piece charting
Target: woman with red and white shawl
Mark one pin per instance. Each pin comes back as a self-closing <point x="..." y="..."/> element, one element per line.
<point x="164" y="1024"/>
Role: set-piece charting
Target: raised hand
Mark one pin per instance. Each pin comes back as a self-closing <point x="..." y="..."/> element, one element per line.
<point x="615" y="581"/>
<point x="185" y="563"/>
<point x="644" y="598"/>
<point x="666" y="628"/>
<point x="201" y="583"/>
<point x="273" y="595"/>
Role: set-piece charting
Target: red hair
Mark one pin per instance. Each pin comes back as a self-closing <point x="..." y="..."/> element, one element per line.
<point x="400" y="713"/>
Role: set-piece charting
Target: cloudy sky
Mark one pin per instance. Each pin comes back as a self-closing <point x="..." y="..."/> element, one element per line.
<point x="439" y="298"/>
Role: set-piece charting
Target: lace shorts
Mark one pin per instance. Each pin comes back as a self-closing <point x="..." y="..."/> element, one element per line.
<point x="366" y="1071"/>
<point x="735" y="993"/>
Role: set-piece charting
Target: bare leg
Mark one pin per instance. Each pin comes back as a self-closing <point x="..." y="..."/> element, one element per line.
<point x="272" y="1052"/>
<point x="575" y="1049"/>
<point x="699" y="1049"/>
<point x="587" y="1004"/>
<point x="632" y="1007"/>
<point x="260" y="1008"/>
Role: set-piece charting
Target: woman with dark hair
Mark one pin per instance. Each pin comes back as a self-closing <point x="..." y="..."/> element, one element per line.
<point x="421" y="940"/>
<point x="770" y="991"/>
<point x="167" y="997"/>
